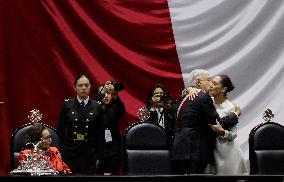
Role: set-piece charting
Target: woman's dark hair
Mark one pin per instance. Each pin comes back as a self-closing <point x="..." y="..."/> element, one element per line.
<point x="150" y="94"/>
<point x="34" y="133"/>
<point x="78" y="77"/>
<point x="226" y="82"/>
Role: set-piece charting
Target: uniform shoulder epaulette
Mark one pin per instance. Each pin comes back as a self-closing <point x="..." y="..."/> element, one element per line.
<point x="66" y="100"/>
<point x="99" y="102"/>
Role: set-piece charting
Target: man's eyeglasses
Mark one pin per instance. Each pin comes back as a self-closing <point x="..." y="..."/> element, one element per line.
<point x="47" y="137"/>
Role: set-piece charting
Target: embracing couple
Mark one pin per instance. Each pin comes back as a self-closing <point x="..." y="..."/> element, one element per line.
<point x="206" y="129"/>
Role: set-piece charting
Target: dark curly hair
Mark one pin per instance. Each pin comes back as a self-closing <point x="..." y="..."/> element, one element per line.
<point x="227" y="82"/>
<point x="34" y="133"/>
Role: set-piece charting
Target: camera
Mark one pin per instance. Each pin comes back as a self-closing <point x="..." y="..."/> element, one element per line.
<point x="165" y="97"/>
<point x="117" y="85"/>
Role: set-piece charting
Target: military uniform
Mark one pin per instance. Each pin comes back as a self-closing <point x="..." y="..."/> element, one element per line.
<point x="82" y="135"/>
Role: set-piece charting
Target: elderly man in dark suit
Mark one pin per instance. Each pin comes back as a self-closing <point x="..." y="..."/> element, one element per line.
<point x="194" y="140"/>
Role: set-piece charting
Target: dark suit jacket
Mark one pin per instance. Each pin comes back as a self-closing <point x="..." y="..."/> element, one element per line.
<point x="194" y="139"/>
<point x="82" y="135"/>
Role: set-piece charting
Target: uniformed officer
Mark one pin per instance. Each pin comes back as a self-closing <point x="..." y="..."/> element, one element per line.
<point x="80" y="130"/>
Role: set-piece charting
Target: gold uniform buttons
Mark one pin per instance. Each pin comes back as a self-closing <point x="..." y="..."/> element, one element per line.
<point x="76" y="126"/>
<point x="75" y="133"/>
<point x="76" y="119"/>
<point x="87" y="120"/>
<point x="73" y="112"/>
<point x="87" y="126"/>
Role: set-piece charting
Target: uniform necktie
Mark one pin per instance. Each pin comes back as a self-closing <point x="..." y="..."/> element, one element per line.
<point x="82" y="104"/>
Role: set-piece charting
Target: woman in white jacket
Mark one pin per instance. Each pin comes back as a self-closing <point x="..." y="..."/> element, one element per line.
<point x="229" y="159"/>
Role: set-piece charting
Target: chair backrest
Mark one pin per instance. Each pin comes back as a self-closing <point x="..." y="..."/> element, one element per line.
<point x="266" y="149"/>
<point x="18" y="141"/>
<point x="146" y="149"/>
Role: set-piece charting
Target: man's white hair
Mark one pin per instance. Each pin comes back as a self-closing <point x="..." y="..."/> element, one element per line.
<point x="196" y="74"/>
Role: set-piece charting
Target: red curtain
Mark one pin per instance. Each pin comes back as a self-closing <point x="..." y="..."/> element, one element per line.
<point x="46" y="44"/>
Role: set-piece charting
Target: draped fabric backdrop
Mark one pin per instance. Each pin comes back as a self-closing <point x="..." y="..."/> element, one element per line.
<point x="45" y="44"/>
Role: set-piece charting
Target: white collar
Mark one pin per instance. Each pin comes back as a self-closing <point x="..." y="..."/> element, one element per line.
<point x="85" y="101"/>
<point x="156" y="109"/>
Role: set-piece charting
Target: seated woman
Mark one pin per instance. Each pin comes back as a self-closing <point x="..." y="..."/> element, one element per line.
<point x="229" y="159"/>
<point x="38" y="142"/>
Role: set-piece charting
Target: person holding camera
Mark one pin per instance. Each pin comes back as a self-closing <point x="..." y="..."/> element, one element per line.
<point x="113" y="110"/>
<point x="160" y="108"/>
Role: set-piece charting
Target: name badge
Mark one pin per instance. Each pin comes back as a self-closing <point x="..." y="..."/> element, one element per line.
<point x="108" y="137"/>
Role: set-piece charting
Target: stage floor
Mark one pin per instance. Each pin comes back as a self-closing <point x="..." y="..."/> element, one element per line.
<point x="146" y="178"/>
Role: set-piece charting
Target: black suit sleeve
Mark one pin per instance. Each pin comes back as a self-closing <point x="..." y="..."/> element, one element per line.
<point x="212" y="115"/>
<point x="229" y="121"/>
<point x="119" y="108"/>
<point x="209" y="109"/>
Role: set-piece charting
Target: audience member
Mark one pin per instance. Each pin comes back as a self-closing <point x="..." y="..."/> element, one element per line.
<point x="160" y="108"/>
